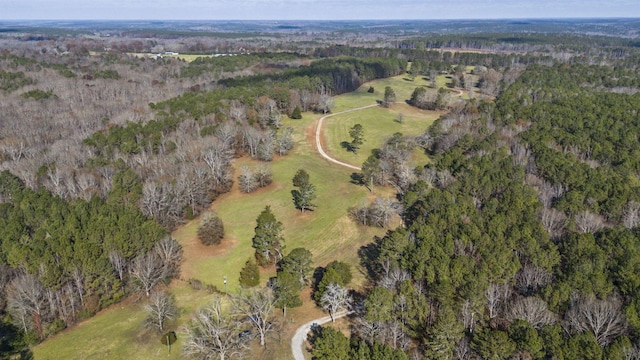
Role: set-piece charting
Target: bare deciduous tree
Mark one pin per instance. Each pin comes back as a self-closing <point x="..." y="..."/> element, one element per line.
<point x="263" y="175"/>
<point x="119" y="264"/>
<point x="533" y="310"/>
<point x="334" y="299"/>
<point x="213" y="335"/>
<point x="531" y="278"/>
<point x="170" y="253"/>
<point x="148" y="271"/>
<point x="587" y="222"/>
<point x="553" y="221"/>
<point x="285" y="141"/>
<point x="462" y="350"/>
<point x="160" y="308"/>
<point x="496" y="295"/>
<point x="257" y="307"/>
<point x="631" y="215"/>
<point x="26" y="302"/>
<point x="604" y="318"/>
<point x="468" y="316"/>
<point x="246" y="180"/>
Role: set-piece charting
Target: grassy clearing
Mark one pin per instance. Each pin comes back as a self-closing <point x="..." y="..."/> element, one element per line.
<point x="118" y="332"/>
<point x="328" y="233"/>
<point x="378" y="124"/>
<point x="325" y="231"/>
<point x="401" y="84"/>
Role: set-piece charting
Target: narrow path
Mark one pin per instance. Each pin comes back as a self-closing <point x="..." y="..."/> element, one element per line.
<point x="319" y="142"/>
<point x="301" y="334"/>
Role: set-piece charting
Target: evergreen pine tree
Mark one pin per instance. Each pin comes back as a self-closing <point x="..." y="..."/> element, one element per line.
<point x="250" y="274"/>
<point x="268" y="239"/>
<point x="296" y="113"/>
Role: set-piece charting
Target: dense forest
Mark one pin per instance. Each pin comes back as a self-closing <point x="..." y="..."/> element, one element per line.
<point x="520" y="239"/>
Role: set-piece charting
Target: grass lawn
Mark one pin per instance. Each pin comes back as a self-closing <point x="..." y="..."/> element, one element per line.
<point x="327" y="232"/>
<point x="117" y="332"/>
<point x="378" y="124"/>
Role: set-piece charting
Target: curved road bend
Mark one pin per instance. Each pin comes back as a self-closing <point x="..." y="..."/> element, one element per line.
<point x="301" y="334"/>
<point x="319" y="142"/>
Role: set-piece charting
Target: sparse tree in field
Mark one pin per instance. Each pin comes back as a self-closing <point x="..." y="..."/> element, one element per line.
<point x="250" y="274"/>
<point x="389" y="96"/>
<point x="296" y="113"/>
<point x="263" y="175"/>
<point x="210" y="229"/>
<point x="334" y="299"/>
<point x="286" y="288"/>
<point x="306" y="192"/>
<point x="268" y="240"/>
<point x="251" y="179"/>
<point x="257" y="306"/>
<point x="160" y="308"/>
<point x="298" y="263"/>
<point x="211" y="334"/>
<point x="357" y="137"/>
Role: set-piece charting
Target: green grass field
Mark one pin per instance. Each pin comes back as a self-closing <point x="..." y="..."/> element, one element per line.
<point x="378" y="124"/>
<point x="117" y="332"/>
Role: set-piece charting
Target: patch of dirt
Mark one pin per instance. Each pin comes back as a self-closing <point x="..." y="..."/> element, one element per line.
<point x="194" y="251"/>
<point x="310" y="133"/>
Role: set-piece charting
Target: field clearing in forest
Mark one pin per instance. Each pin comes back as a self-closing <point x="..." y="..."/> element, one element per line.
<point x="328" y="232"/>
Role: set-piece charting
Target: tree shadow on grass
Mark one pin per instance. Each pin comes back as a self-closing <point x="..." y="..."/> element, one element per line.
<point x="347" y="146"/>
<point x="357" y="178"/>
<point x="368" y="255"/>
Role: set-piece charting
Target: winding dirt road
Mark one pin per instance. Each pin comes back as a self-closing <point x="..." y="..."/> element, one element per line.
<point x="319" y="135"/>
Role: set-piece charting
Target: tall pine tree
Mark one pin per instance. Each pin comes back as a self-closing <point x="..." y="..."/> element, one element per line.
<point x="268" y="239"/>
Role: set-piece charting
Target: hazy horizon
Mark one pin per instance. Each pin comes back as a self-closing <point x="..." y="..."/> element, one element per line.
<point x="300" y="10"/>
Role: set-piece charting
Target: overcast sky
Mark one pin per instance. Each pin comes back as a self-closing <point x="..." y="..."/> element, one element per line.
<point x="314" y="9"/>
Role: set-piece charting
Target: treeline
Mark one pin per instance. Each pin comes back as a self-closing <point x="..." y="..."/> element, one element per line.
<point x="63" y="261"/>
<point x="236" y="62"/>
<point x="307" y="86"/>
<point x="439" y="60"/>
<point x="520" y="238"/>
